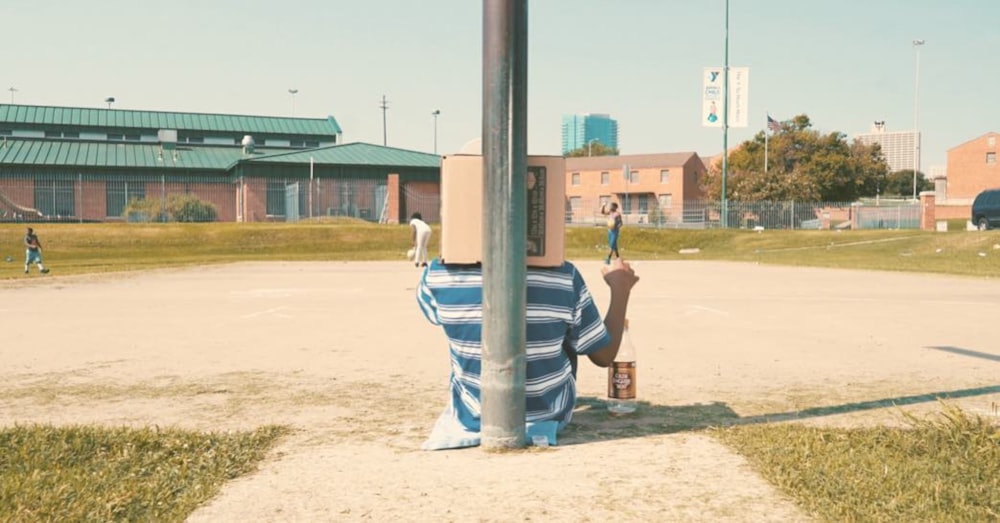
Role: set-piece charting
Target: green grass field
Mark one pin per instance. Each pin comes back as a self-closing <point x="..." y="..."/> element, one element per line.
<point x="945" y="469"/>
<point x="94" y="248"/>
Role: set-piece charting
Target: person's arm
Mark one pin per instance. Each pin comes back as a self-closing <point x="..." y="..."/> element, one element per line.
<point x="620" y="279"/>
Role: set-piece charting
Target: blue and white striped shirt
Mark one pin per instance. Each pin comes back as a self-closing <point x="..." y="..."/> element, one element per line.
<point x="560" y="311"/>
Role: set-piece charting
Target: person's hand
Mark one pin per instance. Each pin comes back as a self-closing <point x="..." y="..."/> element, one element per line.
<point x="619" y="275"/>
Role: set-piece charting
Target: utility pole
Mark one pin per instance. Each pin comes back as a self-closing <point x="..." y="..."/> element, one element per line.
<point x="916" y="116"/>
<point x="12" y="91"/>
<point x="725" y="126"/>
<point x="435" y="114"/>
<point x="384" y="106"/>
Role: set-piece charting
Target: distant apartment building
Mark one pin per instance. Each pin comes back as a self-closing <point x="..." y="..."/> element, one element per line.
<point x="653" y="190"/>
<point x="578" y="130"/>
<point x="898" y="147"/>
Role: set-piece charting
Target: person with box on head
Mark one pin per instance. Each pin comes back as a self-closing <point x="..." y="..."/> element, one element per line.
<point x="562" y="323"/>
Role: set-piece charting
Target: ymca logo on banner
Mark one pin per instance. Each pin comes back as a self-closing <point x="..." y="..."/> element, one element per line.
<point x="713" y="87"/>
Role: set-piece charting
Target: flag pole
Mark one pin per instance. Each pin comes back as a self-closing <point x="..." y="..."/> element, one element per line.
<point x="767" y="127"/>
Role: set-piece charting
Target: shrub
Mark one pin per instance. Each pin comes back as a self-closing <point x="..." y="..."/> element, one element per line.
<point x="188" y="208"/>
<point x="179" y="208"/>
<point x="143" y="210"/>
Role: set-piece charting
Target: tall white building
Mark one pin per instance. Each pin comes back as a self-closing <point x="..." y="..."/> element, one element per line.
<point x="898" y="147"/>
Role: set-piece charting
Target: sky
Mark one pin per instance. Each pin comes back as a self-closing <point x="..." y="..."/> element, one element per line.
<point x="844" y="63"/>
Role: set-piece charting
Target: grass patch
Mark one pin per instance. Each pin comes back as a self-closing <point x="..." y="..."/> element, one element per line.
<point x="942" y="468"/>
<point x="100" y="248"/>
<point x="84" y="473"/>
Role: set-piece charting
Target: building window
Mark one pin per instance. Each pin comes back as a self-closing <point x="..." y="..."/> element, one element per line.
<point x="605" y="178"/>
<point x="6" y="132"/>
<point x="626" y="206"/>
<point x="991" y="158"/>
<point x="55" y="197"/>
<point x="666" y="201"/>
<point x="69" y="134"/>
<point x="53" y="134"/>
<point x="665" y="176"/>
<point x="120" y="193"/>
<point x="116" y="137"/>
<point x="575" y="202"/>
<point x="275" y="198"/>
<point x="643" y="203"/>
<point x="132" y="137"/>
<point x="195" y="139"/>
<point x="633" y="177"/>
<point x="576" y="179"/>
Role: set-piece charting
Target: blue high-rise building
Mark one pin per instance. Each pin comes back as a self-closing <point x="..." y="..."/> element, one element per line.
<point x="579" y="129"/>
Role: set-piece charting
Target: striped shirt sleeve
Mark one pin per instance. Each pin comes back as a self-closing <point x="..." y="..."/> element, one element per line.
<point x="587" y="332"/>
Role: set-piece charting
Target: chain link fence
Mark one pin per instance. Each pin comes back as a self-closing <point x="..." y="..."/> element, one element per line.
<point x="96" y="197"/>
<point x="791" y="215"/>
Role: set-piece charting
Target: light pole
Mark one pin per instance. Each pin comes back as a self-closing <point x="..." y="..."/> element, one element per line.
<point x="384" y="105"/>
<point x="12" y="91"/>
<point x="110" y="100"/>
<point x="435" y="113"/>
<point x="589" y="143"/>
<point x="293" y="92"/>
<point x="916" y="115"/>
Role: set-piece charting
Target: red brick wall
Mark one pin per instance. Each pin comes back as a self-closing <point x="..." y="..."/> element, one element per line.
<point x="968" y="172"/>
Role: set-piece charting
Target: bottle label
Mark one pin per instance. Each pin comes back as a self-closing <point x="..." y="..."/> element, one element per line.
<point x="621" y="380"/>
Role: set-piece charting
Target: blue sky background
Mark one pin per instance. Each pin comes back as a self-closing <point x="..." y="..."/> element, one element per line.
<point x="844" y="63"/>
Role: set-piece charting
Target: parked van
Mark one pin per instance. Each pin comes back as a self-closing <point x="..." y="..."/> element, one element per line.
<point x="986" y="209"/>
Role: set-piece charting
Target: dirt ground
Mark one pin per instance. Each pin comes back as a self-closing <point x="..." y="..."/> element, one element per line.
<point x="341" y="353"/>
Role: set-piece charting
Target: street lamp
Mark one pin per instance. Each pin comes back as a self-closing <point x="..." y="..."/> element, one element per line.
<point x="589" y="143"/>
<point x="435" y="113"/>
<point x="916" y="115"/>
<point x="293" y="92"/>
<point x="12" y="91"/>
<point x="109" y="100"/>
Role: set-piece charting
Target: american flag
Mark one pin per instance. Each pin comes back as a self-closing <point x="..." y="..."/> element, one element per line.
<point x="773" y="124"/>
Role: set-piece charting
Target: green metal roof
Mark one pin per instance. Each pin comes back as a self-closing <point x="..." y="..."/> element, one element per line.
<point x="148" y="155"/>
<point x="356" y="154"/>
<point x="155" y="120"/>
<point x="101" y="154"/>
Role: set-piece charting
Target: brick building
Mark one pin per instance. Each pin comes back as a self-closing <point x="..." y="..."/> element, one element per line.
<point x="972" y="168"/>
<point x="654" y="190"/>
<point x="96" y="165"/>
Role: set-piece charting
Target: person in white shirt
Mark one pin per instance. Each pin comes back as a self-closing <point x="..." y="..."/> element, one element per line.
<point x="421" y="238"/>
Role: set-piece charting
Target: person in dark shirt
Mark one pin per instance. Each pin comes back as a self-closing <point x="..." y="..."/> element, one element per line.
<point x="33" y="252"/>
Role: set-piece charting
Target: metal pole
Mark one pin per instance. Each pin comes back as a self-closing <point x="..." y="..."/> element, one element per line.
<point x="725" y="124"/>
<point x="435" y="114"/>
<point x="384" y="106"/>
<point x="916" y="116"/>
<point x="311" y="168"/>
<point x="767" y="128"/>
<point x="503" y="370"/>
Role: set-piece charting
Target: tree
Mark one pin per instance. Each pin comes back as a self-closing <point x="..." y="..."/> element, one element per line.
<point x="803" y="165"/>
<point x="594" y="149"/>
<point x="900" y="183"/>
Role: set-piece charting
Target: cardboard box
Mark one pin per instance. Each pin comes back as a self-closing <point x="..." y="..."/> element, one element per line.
<point x="462" y="209"/>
